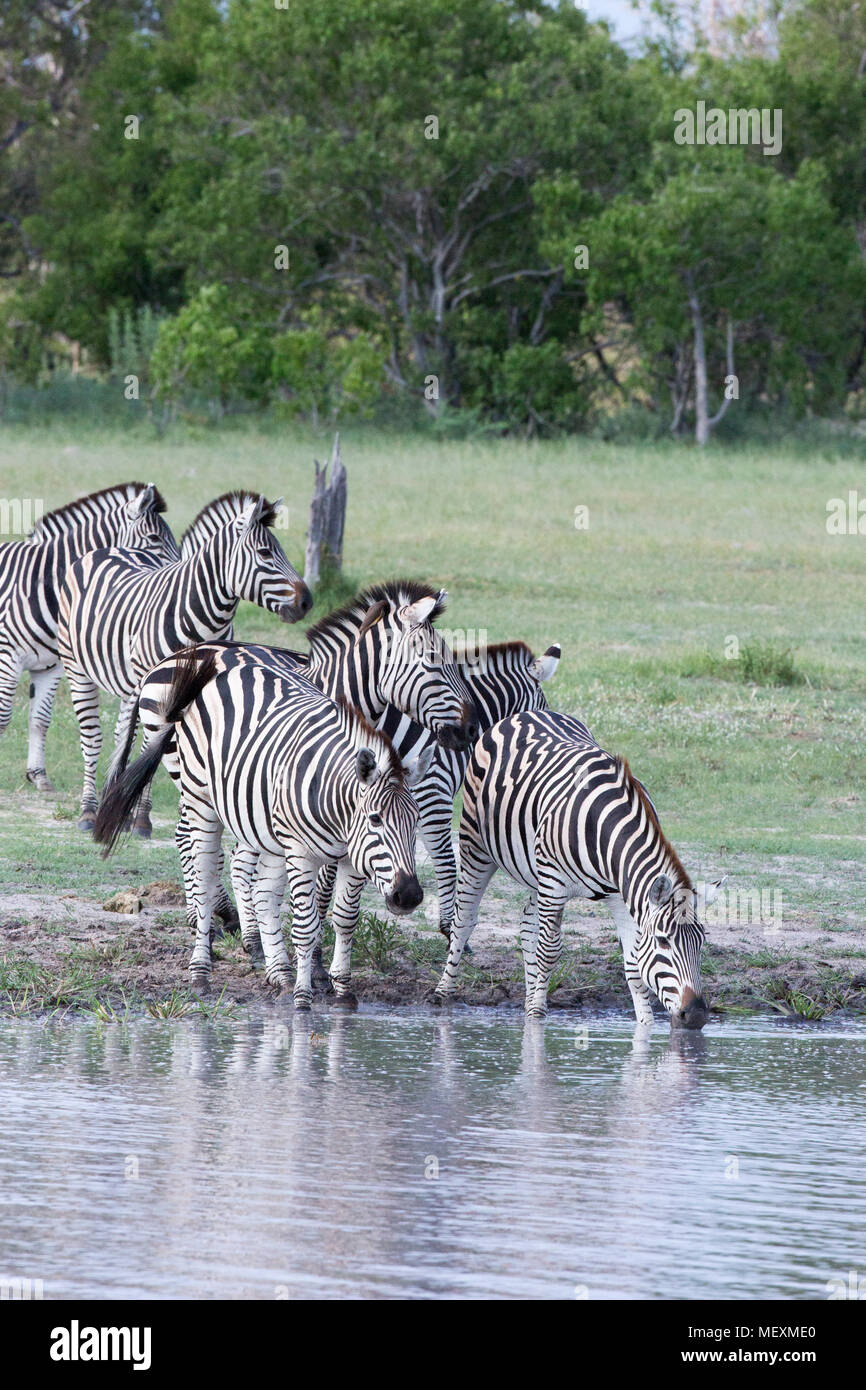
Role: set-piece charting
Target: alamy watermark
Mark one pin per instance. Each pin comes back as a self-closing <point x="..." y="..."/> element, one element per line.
<point x="18" y="515"/>
<point x="737" y="126"/>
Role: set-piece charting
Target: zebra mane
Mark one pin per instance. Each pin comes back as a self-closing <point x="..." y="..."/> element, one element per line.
<point x="362" y="735"/>
<point x="394" y="592"/>
<point x="65" y="519"/>
<point x="492" y="653"/>
<point x="674" y="864"/>
<point x="220" y="512"/>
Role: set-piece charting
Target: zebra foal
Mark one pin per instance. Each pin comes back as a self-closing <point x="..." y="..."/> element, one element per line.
<point x="564" y="818"/>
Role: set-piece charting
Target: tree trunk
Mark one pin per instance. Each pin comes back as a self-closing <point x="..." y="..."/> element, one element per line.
<point x="702" y="415"/>
<point x="703" y="422"/>
<point x="327" y="518"/>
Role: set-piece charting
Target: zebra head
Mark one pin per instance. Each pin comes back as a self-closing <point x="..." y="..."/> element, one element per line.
<point x="667" y="950"/>
<point x="416" y="669"/>
<point x="258" y="568"/>
<point x="382" y="830"/>
<point x="142" y="526"/>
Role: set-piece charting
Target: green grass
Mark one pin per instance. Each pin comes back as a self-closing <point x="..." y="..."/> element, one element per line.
<point x="762" y="756"/>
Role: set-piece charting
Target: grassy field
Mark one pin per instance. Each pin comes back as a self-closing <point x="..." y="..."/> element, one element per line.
<point x="756" y="763"/>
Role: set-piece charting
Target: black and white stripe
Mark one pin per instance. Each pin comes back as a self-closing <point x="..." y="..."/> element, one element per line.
<point x="299" y="779"/>
<point x="564" y="818"/>
<point x="503" y="679"/>
<point x="121" y="614"/>
<point x="381" y="646"/>
<point x="32" y="572"/>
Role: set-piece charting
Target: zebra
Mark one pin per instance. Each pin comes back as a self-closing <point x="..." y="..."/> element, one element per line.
<point x="120" y="615"/>
<point x="379" y="647"/>
<point x="566" y="819"/>
<point x="503" y="678"/>
<point x="300" y="779"/>
<point x="32" y="572"/>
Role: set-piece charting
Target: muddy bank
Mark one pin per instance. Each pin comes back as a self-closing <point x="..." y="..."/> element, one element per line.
<point x="66" y="954"/>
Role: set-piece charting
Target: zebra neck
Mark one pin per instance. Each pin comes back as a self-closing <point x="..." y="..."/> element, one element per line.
<point x="212" y="603"/>
<point x="62" y="550"/>
<point x="341" y="666"/>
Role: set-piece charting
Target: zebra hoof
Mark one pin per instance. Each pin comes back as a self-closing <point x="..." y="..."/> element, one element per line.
<point x="345" y="1001"/>
<point x="142" y="829"/>
<point x="321" y="980"/>
<point x="303" y="1000"/>
<point x="281" y="981"/>
<point x="438" y="999"/>
<point x="199" y="981"/>
<point x="254" y="950"/>
<point x="231" y="921"/>
<point x="87" y="822"/>
<point x="41" y="781"/>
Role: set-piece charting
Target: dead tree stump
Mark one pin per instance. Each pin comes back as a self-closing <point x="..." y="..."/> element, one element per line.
<point x="327" y="518"/>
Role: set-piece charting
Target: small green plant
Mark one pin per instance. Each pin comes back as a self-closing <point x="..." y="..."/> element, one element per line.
<point x="177" y="1005"/>
<point x="769" y="663"/>
<point x="375" y="940"/>
<point x="559" y="976"/>
<point x="758" y="663"/>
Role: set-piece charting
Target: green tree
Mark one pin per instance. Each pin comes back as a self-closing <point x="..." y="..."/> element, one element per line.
<point x="731" y="270"/>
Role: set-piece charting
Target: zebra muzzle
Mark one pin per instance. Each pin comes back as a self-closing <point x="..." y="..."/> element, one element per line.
<point x="300" y="604"/>
<point x="693" y="1011"/>
<point x="406" y="895"/>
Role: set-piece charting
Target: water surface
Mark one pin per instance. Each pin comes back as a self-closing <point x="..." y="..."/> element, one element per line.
<point x="411" y="1154"/>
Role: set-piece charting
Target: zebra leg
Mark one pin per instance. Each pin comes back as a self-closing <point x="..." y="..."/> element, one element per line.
<point x="529" y="945"/>
<point x="347" y="906"/>
<point x="627" y="931"/>
<point x="476" y="871"/>
<point x="128" y="712"/>
<point x="43" y="688"/>
<point x="305" y="925"/>
<point x="205" y="837"/>
<point x="269" y="889"/>
<point x="223" y="906"/>
<point x="325" y="881"/>
<point x="435" y="836"/>
<point x="244" y="864"/>
<point x="11" y="667"/>
<point x="85" y="701"/>
<point x="549" y="949"/>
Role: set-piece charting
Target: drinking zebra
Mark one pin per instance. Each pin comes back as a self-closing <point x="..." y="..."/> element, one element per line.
<point x="299" y="779"/>
<point x="566" y="819"/>
<point x="32" y="572"/>
<point x="120" y="615"/>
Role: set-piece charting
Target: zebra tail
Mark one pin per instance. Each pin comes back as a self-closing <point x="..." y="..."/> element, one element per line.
<point x="120" y="756"/>
<point x="123" y="790"/>
<point x="120" y="796"/>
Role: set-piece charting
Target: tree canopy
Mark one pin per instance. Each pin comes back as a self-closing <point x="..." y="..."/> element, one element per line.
<point x="469" y="204"/>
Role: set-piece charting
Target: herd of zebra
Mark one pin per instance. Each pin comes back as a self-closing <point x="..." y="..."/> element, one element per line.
<point x="324" y="766"/>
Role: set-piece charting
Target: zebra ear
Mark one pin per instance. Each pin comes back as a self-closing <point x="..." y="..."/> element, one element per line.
<point x="366" y="767"/>
<point x="252" y="512"/>
<point x="376" y="611"/>
<point x="417" y="769"/>
<point x="414" y="614"/>
<point x="706" y="893"/>
<point x="543" y="667"/>
<point x="661" y="891"/>
<point x="142" y="502"/>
